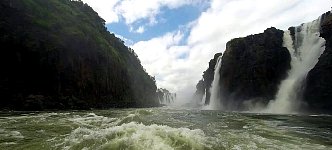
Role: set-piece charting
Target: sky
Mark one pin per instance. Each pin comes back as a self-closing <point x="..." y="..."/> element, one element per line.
<point x="175" y="39"/>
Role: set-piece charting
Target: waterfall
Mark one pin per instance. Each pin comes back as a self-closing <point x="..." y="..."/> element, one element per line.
<point x="203" y="99"/>
<point x="305" y="49"/>
<point x="165" y="97"/>
<point x="215" y="88"/>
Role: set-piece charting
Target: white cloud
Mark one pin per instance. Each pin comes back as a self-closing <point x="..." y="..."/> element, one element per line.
<point x="224" y="20"/>
<point x="140" y="29"/>
<point x="156" y="51"/>
<point x="161" y="58"/>
<point x="105" y="9"/>
<point x="134" y="10"/>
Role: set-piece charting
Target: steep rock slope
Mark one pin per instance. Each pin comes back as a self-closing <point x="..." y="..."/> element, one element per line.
<point x="204" y="85"/>
<point x="252" y="67"/>
<point x="57" y="54"/>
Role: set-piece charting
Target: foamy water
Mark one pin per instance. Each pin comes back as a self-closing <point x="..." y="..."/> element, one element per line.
<point x="163" y="129"/>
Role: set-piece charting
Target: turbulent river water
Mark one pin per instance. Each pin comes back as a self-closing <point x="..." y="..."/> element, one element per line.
<point x="162" y="128"/>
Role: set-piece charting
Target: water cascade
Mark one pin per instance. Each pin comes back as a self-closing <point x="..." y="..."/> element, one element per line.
<point x="203" y="99"/>
<point x="168" y="98"/>
<point x="215" y="88"/>
<point x="165" y="97"/>
<point x="305" y="49"/>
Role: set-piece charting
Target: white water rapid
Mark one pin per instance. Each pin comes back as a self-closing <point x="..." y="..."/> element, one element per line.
<point x="215" y="88"/>
<point x="305" y="51"/>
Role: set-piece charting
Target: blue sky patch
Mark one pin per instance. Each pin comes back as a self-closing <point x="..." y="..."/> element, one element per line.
<point x="167" y="20"/>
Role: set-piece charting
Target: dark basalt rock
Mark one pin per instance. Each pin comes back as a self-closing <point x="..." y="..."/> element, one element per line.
<point x="252" y="68"/>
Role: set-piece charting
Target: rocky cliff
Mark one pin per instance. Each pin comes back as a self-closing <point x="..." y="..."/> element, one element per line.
<point x="252" y="68"/>
<point x="204" y="85"/>
<point x="58" y="54"/>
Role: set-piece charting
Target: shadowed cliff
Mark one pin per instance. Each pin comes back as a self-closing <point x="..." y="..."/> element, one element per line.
<point x="57" y="54"/>
<point x="252" y="67"/>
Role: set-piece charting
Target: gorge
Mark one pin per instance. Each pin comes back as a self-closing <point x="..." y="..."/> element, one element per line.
<point x="54" y="66"/>
<point x="70" y="80"/>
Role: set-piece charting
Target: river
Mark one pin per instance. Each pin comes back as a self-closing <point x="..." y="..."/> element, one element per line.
<point x="163" y="128"/>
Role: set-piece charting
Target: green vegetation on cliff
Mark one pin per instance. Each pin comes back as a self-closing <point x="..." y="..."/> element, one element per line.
<point x="57" y="54"/>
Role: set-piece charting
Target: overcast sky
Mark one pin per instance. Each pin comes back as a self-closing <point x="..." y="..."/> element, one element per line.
<point x="175" y="39"/>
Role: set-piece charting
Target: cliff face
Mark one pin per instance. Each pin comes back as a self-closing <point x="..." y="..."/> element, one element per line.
<point x="204" y="85"/>
<point x="318" y="87"/>
<point x="57" y="54"/>
<point x="208" y="76"/>
<point x="252" y="67"/>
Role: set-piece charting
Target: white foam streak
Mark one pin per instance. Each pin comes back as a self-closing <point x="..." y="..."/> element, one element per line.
<point x="137" y="136"/>
<point x="10" y="134"/>
<point x="91" y="120"/>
